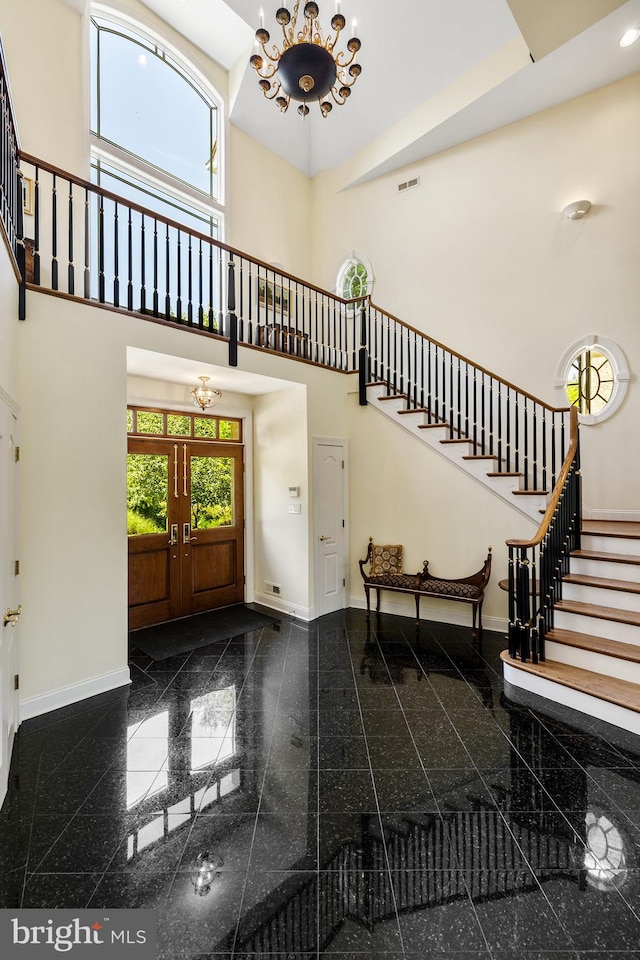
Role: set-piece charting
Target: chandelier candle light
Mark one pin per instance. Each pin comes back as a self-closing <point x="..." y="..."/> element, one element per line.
<point x="306" y="67"/>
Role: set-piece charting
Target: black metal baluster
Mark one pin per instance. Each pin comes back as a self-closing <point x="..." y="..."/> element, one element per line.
<point x="101" y="276"/>
<point x="189" y="285"/>
<point x="525" y="443"/>
<point x="499" y="450"/>
<point x="534" y="446"/>
<point x="516" y="431"/>
<point x="491" y="416"/>
<point x="70" y="267"/>
<point x="143" y="291"/>
<point x="212" y="323"/>
<point x="116" y="267"/>
<point x="36" y="228"/>
<point x="155" y="268"/>
<point x="54" y="234"/>
<point x="241" y="299"/>
<point x="130" y="260"/>
<point x="544" y="449"/>
<point x="200" y="287"/>
<point x="167" y="278"/>
<point x="233" y="319"/>
<point x="179" y="277"/>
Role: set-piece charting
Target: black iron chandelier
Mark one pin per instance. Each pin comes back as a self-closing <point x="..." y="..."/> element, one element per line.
<point x="307" y="67"/>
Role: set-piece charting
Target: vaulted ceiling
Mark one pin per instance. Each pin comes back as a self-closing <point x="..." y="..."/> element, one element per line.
<point x="435" y="72"/>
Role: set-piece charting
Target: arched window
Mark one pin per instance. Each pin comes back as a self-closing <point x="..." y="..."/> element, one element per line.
<point x="355" y="278"/>
<point x="594" y="376"/>
<point x="155" y="126"/>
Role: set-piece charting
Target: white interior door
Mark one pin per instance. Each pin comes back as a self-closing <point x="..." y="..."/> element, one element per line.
<point x="9" y="610"/>
<point x="330" y="523"/>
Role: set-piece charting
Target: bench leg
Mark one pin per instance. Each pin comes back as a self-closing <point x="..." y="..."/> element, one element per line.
<point x="476" y="633"/>
<point x="417" y="609"/>
<point x="366" y="590"/>
<point x="377" y="601"/>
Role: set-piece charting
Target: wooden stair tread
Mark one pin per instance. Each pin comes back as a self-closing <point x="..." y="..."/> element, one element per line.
<point x="621" y="692"/>
<point x="585" y="641"/>
<point x="530" y="493"/>
<point x="428" y="426"/>
<point x="506" y="473"/>
<point x="402" y="413"/>
<point x="625" y="529"/>
<point x="393" y="396"/>
<point x="598" y="611"/>
<point x="611" y="557"/>
<point x="457" y="440"/>
<point x="479" y="456"/>
<point x="605" y="583"/>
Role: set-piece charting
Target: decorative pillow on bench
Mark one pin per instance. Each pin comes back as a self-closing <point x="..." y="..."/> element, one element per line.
<point x="385" y="559"/>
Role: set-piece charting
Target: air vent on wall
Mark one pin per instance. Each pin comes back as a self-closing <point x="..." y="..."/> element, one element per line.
<point x="272" y="587"/>
<point x="408" y="185"/>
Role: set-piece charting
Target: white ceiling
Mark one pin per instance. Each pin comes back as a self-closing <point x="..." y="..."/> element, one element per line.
<point x="435" y="72"/>
<point x="182" y="370"/>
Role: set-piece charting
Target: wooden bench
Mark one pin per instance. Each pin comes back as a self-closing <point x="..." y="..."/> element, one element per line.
<point x="389" y="576"/>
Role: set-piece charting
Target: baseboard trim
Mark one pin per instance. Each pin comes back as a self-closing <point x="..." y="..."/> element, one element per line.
<point x="268" y="600"/>
<point x="64" y="696"/>
<point x="593" y="513"/>
<point x="430" y="611"/>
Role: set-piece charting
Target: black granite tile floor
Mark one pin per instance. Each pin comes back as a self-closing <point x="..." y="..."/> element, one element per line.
<point x="337" y="788"/>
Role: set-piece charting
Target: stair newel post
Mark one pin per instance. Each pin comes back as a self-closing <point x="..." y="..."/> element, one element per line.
<point x="231" y="312"/>
<point x="523" y="604"/>
<point x="513" y="634"/>
<point x="363" y="359"/>
<point x="534" y="590"/>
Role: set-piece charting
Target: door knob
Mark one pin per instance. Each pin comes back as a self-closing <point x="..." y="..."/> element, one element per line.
<point x="322" y="537"/>
<point x="186" y="534"/>
<point x="174" y="535"/>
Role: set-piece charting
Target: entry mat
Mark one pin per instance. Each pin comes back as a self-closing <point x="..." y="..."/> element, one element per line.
<point x="179" y="636"/>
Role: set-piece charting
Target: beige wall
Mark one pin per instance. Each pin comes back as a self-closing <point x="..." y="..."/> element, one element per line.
<point x="73" y="471"/>
<point x="8" y="326"/>
<point x="479" y="258"/>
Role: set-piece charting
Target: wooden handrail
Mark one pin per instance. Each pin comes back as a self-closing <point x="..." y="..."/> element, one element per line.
<point x="553" y="503"/>
<point x="472" y="363"/>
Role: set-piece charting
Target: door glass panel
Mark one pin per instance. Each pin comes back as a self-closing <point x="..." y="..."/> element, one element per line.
<point x="147" y="485"/>
<point x="149" y="422"/>
<point x="129" y="421"/>
<point x="178" y="426"/>
<point x="204" y="427"/>
<point x="211" y="492"/>
<point x="229" y="429"/>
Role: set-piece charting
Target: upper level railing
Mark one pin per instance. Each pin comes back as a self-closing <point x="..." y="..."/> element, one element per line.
<point x="11" y="204"/>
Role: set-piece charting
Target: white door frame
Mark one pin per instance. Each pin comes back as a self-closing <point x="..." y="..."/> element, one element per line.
<point x="343" y="543"/>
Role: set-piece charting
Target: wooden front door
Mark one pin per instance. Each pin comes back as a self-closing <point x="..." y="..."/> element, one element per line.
<point x="186" y="528"/>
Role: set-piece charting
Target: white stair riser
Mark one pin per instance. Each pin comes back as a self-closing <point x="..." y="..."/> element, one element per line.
<point x="531" y="507"/>
<point x="583" y="702"/>
<point x="597" y="627"/>
<point x="624" y="545"/>
<point x="596" y="662"/>
<point x="606" y="568"/>
<point x="618" y="599"/>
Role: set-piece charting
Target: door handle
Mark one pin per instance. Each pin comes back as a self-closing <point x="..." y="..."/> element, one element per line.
<point x="186" y="534"/>
<point x="322" y="537"/>
<point x="11" y="617"/>
<point x="174" y="535"/>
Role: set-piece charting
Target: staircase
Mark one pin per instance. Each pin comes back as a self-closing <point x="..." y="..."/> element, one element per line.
<point x="460" y="450"/>
<point x="592" y="652"/>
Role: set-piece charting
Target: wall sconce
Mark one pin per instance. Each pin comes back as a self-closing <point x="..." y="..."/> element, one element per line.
<point x="204" y="396"/>
<point x="207" y="869"/>
<point x="577" y="210"/>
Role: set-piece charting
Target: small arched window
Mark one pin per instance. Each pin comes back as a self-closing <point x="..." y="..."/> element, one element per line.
<point x="155" y="126"/>
<point x="355" y="278"/>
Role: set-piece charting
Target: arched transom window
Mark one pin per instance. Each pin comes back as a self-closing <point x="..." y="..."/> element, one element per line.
<point x="155" y="127"/>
